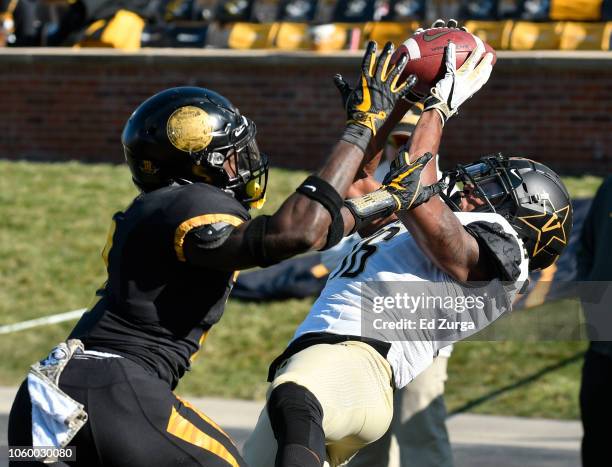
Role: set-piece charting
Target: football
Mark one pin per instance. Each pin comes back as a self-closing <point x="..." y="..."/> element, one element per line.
<point x="426" y="54"/>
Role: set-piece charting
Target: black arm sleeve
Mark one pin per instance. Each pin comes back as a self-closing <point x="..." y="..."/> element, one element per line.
<point x="501" y="249"/>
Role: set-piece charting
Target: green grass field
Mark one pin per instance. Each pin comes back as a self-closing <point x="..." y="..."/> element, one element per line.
<point x="53" y="223"/>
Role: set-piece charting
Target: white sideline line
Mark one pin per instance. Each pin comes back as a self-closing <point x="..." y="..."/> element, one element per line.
<point x="32" y="323"/>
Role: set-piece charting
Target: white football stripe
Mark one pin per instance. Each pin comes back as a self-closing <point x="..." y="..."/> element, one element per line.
<point x="413" y="49"/>
<point x="478" y="41"/>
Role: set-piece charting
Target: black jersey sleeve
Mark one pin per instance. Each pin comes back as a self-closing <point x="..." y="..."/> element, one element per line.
<point x="501" y="249"/>
<point x="205" y="215"/>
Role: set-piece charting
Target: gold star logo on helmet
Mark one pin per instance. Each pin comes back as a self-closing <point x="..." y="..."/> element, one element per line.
<point x="549" y="227"/>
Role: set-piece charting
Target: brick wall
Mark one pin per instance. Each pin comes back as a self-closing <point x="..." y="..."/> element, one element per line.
<point x="62" y="104"/>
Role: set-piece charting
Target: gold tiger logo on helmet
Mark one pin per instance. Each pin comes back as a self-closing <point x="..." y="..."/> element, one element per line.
<point x="190" y="129"/>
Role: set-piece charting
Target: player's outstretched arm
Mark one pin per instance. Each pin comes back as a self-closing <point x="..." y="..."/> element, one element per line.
<point x="314" y="216"/>
<point x="434" y="226"/>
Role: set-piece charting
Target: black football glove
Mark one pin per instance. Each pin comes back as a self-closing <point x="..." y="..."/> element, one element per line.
<point x="369" y="105"/>
<point x="403" y="181"/>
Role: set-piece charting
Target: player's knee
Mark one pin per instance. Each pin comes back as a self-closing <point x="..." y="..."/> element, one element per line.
<point x="296" y="416"/>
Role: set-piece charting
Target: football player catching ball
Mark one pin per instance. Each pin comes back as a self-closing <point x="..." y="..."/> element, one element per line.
<point x="331" y="390"/>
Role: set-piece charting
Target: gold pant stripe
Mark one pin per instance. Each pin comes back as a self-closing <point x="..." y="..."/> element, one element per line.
<point x="183" y="229"/>
<point x="204" y="417"/>
<point x="188" y="432"/>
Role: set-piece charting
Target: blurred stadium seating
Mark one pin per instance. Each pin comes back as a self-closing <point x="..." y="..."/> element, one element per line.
<point x="322" y="25"/>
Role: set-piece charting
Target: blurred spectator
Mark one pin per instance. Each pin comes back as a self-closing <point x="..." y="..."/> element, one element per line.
<point x="187" y="10"/>
<point x="535" y="10"/>
<point x="264" y="11"/>
<point x="234" y="10"/>
<point x="508" y="8"/>
<point x="7" y="24"/>
<point x="490" y="9"/>
<point x="104" y="23"/>
<point x="325" y="11"/>
<point x="332" y="24"/>
<point x="354" y="11"/>
<point x="300" y="11"/>
<point x="400" y="10"/>
<point x="484" y="10"/>
<point x="442" y="9"/>
<point x="606" y="10"/>
<point x="595" y="264"/>
<point x="22" y="22"/>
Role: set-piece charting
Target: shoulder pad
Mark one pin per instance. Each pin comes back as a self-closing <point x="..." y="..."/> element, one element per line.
<point x="211" y="236"/>
<point x="501" y="247"/>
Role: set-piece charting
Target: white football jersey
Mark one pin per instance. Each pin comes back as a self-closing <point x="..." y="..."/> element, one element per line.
<point x="385" y="259"/>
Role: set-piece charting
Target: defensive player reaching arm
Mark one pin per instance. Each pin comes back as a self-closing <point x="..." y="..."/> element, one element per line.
<point x="314" y="217"/>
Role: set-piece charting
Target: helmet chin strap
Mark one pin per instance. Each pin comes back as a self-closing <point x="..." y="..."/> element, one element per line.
<point x="450" y="202"/>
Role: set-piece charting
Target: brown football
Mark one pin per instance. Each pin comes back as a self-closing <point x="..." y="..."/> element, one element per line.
<point x="426" y="54"/>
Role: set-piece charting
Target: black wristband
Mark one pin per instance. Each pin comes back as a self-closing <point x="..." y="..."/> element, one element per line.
<point x="322" y="192"/>
<point x="254" y="235"/>
<point x="318" y="189"/>
<point x="335" y="232"/>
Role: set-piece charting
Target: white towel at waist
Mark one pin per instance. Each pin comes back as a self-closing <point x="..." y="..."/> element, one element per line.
<point x="56" y="417"/>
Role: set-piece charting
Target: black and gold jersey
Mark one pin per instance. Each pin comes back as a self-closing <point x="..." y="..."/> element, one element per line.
<point x="156" y="308"/>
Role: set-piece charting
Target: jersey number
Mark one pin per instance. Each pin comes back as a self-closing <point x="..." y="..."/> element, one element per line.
<point x="354" y="263"/>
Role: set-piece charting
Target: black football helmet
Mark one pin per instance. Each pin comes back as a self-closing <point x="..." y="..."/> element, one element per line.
<point x="528" y="194"/>
<point x="190" y="134"/>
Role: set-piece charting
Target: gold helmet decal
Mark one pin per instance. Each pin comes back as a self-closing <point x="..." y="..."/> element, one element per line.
<point x="148" y="167"/>
<point x="189" y="129"/>
<point x="549" y="227"/>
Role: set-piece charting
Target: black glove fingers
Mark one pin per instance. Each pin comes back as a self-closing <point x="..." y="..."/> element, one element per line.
<point x="406" y="89"/>
<point x="396" y="73"/>
<point x="369" y="60"/>
<point x="424" y="159"/>
<point x="429" y="192"/>
<point x="439" y="23"/>
<point x="403" y="148"/>
<point x="439" y="187"/>
<point x="425" y="194"/>
<point x="452" y="23"/>
<point x="384" y="59"/>
<point x="343" y="87"/>
<point x="411" y="81"/>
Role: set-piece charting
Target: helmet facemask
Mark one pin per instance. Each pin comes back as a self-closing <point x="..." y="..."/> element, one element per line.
<point x="238" y="168"/>
<point x="490" y="180"/>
